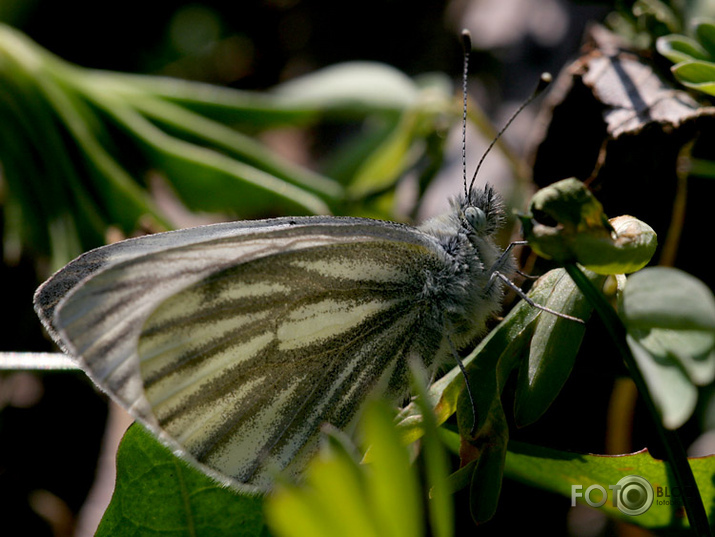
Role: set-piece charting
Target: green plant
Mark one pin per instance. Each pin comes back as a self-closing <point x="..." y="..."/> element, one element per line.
<point x="694" y="57"/>
<point x="176" y="128"/>
<point x="77" y="146"/>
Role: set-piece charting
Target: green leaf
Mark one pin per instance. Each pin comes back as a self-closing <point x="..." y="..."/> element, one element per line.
<point x="680" y="48"/>
<point x="670" y="319"/>
<point x="553" y="347"/>
<point x="157" y="493"/>
<point x="691" y="349"/>
<point x="696" y="74"/>
<point x="567" y="223"/>
<point x="673" y="394"/>
<point x="332" y="479"/>
<point x="705" y="34"/>
<point x="492" y="361"/>
<point x="343" y="164"/>
<point x="392" y="487"/>
<point x="559" y="471"/>
<point x="347" y="90"/>
<point x="357" y="85"/>
<point x="489" y="367"/>
<point x="339" y="496"/>
<point x="660" y="10"/>
<point x="380" y="497"/>
<point x="200" y="130"/>
<point x="384" y="166"/>
<point x="702" y="168"/>
<point x="198" y="173"/>
<point x="485" y="485"/>
<point x="662" y="297"/>
<point x="441" y="510"/>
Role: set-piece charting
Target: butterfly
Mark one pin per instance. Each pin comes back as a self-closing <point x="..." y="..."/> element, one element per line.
<point x="234" y="343"/>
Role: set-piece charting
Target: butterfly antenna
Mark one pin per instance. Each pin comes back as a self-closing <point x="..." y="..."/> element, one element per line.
<point x="467" y="45"/>
<point x="544" y="81"/>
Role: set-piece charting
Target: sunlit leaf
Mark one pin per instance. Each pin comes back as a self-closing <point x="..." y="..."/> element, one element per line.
<point x="560" y="471"/>
<point x="680" y="48"/>
<point x="699" y="75"/>
<point x="157" y="493"/>
<point x="339" y="496"/>
<point x="567" y="223"/>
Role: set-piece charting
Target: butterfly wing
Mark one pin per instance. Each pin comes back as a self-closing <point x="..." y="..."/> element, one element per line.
<point x="236" y="349"/>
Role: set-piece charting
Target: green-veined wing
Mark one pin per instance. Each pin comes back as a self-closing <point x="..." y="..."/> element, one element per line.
<point x="235" y="343"/>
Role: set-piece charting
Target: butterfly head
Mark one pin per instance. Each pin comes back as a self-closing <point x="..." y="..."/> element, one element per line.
<point x="482" y="212"/>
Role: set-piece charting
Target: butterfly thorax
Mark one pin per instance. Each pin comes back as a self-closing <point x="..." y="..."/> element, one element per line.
<point x="465" y="292"/>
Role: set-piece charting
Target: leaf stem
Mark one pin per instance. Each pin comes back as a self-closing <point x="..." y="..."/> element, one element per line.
<point x="675" y="453"/>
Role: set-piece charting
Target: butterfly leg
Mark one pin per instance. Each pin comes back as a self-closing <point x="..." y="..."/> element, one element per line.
<point x="495" y="273"/>
<point x="523" y="295"/>
<point x="458" y="359"/>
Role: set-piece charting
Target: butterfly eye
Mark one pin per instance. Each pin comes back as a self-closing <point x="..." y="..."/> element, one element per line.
<point x="476" y="217"/>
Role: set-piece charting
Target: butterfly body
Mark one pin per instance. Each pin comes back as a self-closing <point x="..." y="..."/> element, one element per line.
<point x="235" y="342"/>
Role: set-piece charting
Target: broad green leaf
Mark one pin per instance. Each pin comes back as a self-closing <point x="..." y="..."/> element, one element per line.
<point x="670" y="319"/>
<point x="490" y="363"/>
<point x="543" y="346"/>
<point x="693" y="57"/>
<point x="567" y="223"/>
<point x="559" y="471"/>
<point x="673" y="394"/>
<point x="662" y="297"/>
<point x="690" y="349"/>
<point x="483" y="452"/>
<point x="553" y="348"/>
<point x="157" y="493"/>
<point x="488" y="367"/>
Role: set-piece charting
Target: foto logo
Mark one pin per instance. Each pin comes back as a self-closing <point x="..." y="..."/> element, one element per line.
<point x="632" y="495"/>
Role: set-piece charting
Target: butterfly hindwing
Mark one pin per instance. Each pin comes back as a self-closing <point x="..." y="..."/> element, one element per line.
<point x="243" y="367"/>
<point x="236" y="348"/>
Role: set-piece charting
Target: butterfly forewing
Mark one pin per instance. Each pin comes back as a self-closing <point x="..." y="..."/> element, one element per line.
<point x="238" y="347"/>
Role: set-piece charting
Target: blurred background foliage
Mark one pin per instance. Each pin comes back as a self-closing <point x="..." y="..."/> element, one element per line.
<point x="243" y="114"/>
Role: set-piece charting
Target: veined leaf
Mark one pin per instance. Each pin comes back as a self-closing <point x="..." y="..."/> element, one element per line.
<point x="157" y="493"/>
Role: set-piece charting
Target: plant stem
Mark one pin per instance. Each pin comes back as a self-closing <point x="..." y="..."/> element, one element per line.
<point x="675" y="453"/>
